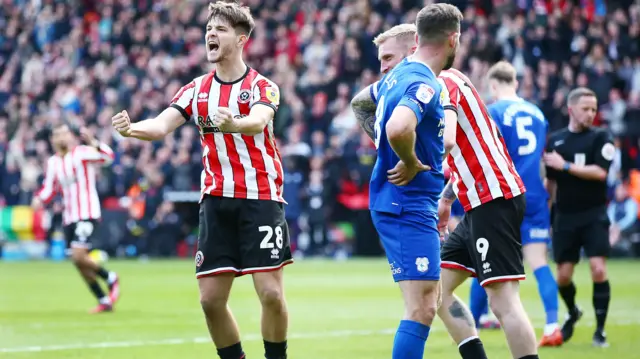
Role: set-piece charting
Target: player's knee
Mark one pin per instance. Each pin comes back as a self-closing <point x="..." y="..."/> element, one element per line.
<point x="213" y="303"/>
<point x="503" y="298"/>
<point x="423" y="314"/>
<point x="422" y="306"/>
<point x="272" y="297"/>
<point x="598" y="272"/>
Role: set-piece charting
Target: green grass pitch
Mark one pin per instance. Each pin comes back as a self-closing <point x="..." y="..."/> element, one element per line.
<point x="338" y="310"/>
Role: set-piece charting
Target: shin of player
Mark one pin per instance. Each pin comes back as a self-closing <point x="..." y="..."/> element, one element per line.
<point x="242" y="225"/>
<point x="578" y="159"/>
<point x="71" y="171"/>
<point x="487" y="242"/>
<point x="523" y="127"/>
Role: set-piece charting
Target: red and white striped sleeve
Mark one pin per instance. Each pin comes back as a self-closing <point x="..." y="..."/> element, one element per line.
<point x="450" y="95"/>
<point x="183" y="100"/>
<point x="103" y="154"/>
<point x="50" y="184"/>
<point x="266" y="93"/>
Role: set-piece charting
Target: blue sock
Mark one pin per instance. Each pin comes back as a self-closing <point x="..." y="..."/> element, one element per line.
<point x="548" y="289"/>
<point x="478" y="301"/>
<point x="410" y="340"/>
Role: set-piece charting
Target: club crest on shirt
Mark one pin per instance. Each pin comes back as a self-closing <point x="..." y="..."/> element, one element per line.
<point x="244" y="96"/>
<point x="273" y="95"/>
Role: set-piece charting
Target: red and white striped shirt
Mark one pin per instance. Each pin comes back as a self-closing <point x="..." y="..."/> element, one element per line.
<point x="74" y="175"/>
<point x="481" y="167"/>
<point x="235" y="165"/>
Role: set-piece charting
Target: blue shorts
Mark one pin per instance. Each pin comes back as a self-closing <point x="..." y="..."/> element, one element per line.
<point x="412" y="244"/>
<point x="536" y="228"/>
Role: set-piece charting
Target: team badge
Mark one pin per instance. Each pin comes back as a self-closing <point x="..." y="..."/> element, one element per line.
<point x="422" y="264"/>
<point x="244" y="96"/>
<point x="199" y="258"/>
<point x="273" y="95"/>
<point x="425" y="93"/>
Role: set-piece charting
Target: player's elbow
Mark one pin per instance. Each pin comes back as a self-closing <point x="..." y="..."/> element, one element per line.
<point x="398" y="130"/>
<point x="449" y="142"/>
<point x="601" y="175"/>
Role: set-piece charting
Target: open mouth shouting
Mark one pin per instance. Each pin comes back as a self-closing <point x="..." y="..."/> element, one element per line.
<point x="212" y="46"/>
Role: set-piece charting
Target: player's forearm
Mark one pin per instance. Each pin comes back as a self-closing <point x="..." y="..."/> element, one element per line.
<point x="403" y="144"/>
<point x="588" y="172"/>
<point x="149" y="130"/>
<point x="250" y="125"/>
<point x="364" y="110"/>
<point x="448" y="194"/>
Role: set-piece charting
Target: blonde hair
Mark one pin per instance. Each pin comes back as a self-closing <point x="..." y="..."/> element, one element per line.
<point x="238" y="16"/>
<point x="403" y="32"/>
<point x="502" y="71"/>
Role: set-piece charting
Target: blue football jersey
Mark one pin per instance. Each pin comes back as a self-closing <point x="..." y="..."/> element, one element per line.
<point x="524" y="129"/>
<point x="414" y="85"/>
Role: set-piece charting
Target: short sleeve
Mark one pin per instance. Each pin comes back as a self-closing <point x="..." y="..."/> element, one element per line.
<point x="373" y="91"/>
<point x="552" y="174"/>
<point x="450" y="96"/>
<point x="267" y="93"/>
<point x="419" y="96"/>
<point x="604" y="149"/>
<point x="183" y="100"/>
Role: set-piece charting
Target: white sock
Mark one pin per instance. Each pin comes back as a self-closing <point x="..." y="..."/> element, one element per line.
<point x="112" y="277"/>
<point x="550" y="328"/>
<point x="105" y="300"/>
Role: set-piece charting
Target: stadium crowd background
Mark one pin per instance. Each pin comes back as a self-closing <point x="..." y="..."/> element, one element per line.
<point x="83" y="61"/>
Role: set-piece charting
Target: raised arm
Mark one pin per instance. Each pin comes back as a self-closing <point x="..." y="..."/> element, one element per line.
<point x="95" y="152"/>
<point x="166" y="122"/>
<point x="264" y="104"/>
<point x="364" y="108"/>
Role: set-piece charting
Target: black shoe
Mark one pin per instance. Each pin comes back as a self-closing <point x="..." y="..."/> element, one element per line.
<point x="569" y="324"/>
<point x="600" y="339"/>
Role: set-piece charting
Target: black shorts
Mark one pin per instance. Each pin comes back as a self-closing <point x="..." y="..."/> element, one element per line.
<point x="241" y="236"/>
<point x="572" y="232"/>
<point x="487" y="242"/>
<point x="78" y="234"/>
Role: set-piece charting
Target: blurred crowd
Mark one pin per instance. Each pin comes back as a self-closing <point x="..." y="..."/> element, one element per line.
<point x="82" y="61"/>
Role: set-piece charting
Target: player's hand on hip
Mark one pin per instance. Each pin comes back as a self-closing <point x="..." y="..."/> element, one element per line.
<point x="224" y="120"/>
<point x="402" y="174"/>
<point x="554" y="160"/>
<point x="122" y="123"/>
<point x="444" y="212"/>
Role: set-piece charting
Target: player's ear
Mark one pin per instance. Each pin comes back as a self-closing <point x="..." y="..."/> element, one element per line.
<point x="242" y="39"/>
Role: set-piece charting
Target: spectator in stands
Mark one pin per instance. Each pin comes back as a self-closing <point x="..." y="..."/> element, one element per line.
<point x="80" y="60"/>
<point x="623" y="215"/>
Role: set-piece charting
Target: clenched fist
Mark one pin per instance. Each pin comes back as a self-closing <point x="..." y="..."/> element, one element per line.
<point x="224" y="120"/>
<point x="122" y="123"/>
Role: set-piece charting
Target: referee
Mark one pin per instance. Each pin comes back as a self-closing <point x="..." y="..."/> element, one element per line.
<point x="577" y="160"/>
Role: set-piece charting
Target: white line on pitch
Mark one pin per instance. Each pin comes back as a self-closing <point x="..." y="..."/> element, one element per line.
<point x="250" y="337"/>
<point x="179" y="341"/>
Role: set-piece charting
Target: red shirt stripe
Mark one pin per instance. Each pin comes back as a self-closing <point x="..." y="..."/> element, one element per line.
<point x="482" y="169"/>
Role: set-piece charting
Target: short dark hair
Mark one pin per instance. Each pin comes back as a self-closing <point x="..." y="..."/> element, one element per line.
<point x="436" y="21"/>
<point x="238" y="16"/>
<point x="502" y="71"/>
<point x="575" y="95"/>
